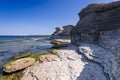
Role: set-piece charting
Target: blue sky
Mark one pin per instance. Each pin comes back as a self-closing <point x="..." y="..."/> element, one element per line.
<point x="26" y="17"/>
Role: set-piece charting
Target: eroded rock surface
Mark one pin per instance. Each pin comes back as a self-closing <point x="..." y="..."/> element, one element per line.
<point x="94" y="19"/>
<point x="102" y="57"/>
<point x="19" y="64"/>
<point x="100" y="24"/>
<point x="48" y="57"/>
<point x="69" y="66"/>
<point x="62" y="32"/>
<point x="57" y="43"/>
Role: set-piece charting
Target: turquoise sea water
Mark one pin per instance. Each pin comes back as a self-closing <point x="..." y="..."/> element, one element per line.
<point x="11" y="46"/>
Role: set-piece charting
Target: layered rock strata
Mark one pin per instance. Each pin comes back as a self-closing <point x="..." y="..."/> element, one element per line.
<point x="95" y="19"/>
<point x="57" y="43"/>
<point x="100" y="24"/>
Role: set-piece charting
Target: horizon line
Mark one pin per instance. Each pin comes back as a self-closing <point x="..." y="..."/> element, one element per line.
<point x="29" y="35"/>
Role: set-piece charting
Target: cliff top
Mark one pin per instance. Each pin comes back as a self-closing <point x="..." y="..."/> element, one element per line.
<point x="91" y="8"/>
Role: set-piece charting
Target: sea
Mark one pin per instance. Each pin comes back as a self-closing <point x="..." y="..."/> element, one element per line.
<point x="11" y="46"/>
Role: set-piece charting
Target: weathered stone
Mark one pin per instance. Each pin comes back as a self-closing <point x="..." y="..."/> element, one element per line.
<point x="57" y="43"/>
<point x="102" y="57"/>
<point x="58" y="31"/>
<point x="48" y="57"/>
<point x="62" y="33"/>
<point x="111" y="41"/>
<point x="94" y="19"/>
<point x="19" y="64"/>
<point x="71" y="66"/>
<point x="61" y="41"/>
<point x="100" y="24"/>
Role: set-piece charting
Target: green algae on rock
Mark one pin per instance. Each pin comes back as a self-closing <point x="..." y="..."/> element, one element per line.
<point x="16" y="65"/>
<point x="12" y="76"/>
<point x="22" y="56"/>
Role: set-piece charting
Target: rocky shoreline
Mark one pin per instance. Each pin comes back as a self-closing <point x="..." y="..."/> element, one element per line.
<point x="91" y="51"/>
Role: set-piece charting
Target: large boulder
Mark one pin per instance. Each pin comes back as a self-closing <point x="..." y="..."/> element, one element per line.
<point x="62" y="32"/>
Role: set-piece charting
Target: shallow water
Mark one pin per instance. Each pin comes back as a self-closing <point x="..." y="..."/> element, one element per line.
<point x="11" y="46"/>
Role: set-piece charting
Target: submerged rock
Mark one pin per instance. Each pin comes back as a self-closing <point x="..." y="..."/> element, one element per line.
<point x="17" y="65"/>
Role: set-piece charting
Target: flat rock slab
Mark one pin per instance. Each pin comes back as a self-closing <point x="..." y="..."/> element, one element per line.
<point x="48" y="57"/>
<point x="61" y="41"/>
<point x="19" y="64"/>
<point x="57" y="43"/>
<point x="55" y="70"/>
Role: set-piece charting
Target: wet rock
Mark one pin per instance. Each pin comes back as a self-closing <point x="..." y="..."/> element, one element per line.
<point x="19" y="64"/>
<point x="57" y="43"/>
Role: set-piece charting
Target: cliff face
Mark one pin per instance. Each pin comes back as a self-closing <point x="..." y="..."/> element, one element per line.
<point x="96" y="18"/>
<point x="63" y="32"/>
<point x="100" y="24"/>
